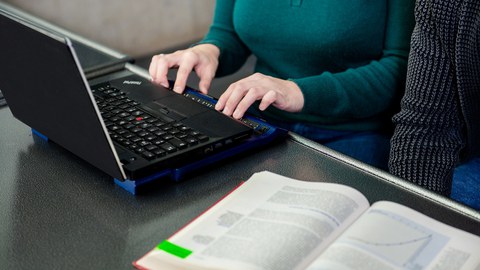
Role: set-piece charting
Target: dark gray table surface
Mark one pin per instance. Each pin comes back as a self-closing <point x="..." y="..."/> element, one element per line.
<point x="58" y="212"/>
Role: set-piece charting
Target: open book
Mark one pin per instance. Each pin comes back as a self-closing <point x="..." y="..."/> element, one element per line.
<point x="278" y="223"/>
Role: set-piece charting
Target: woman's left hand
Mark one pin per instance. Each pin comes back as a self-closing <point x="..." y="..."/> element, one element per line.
<point x="239" y="96"/>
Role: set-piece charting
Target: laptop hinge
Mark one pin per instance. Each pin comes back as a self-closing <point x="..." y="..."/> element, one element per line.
<point x="105" y="71"/>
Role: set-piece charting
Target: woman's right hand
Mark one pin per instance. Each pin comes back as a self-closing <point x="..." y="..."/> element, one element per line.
<point x="203" y="59"/>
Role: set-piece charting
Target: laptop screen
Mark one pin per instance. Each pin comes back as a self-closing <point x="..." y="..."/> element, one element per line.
<point x="46" y="89"/>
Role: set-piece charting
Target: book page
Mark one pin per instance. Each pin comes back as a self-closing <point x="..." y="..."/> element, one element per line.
<point x="392" y="236"/>
<point x="270" y="222"/>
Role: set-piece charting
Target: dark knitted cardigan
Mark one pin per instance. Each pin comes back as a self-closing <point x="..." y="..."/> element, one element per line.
<point x="439" y="122"/>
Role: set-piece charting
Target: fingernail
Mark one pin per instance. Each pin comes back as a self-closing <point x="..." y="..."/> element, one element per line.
<point x="226" y="112"/>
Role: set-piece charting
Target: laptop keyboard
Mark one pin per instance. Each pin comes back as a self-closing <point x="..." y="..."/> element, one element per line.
<point x="147" y="135"/>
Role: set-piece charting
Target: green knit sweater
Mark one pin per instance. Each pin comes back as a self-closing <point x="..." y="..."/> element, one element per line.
<point x="347" y="56"/>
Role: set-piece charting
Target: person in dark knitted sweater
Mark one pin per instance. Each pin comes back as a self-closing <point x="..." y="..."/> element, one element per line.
<point x="438" y="126"/>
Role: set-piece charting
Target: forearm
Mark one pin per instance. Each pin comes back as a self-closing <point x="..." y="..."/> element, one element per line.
<point x="427" y="138"/>
<point x="355" y="93"/>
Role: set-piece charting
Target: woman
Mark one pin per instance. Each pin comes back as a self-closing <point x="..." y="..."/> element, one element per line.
<point x="329" y="70"/>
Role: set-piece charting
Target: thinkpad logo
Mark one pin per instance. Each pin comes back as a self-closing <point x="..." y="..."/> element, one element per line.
<point x="132" y="82"/>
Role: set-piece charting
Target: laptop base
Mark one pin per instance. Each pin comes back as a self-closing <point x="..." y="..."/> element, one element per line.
<point x="269" y="134"/>
<point x="40" y="135"/>
<point x="178" y="174"/>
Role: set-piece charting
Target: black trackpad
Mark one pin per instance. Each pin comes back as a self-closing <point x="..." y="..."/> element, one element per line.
<point x="180" y="105"/>
<point x="215" y="124"/>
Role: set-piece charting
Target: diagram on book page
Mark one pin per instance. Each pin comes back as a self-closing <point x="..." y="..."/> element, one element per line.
<point x="398" y="240"/>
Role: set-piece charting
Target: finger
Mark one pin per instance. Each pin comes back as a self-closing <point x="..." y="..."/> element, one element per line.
<point x="235" y="96"/>
<point x="225" y="102"/>
<point x="223" y="98"/>
<point x="268" y="99"/>
<point x="159" y="69"/>
<point x="206" y="78"/>
<point x="245" y="84"/>
<point x="250" y="97"/>
<point x="204" y="85"/>
<point x="184" y="70"/>
<point x="152" y="69"/>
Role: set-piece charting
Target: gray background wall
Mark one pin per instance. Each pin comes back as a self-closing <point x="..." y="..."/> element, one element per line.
<point x="133" y="27"/>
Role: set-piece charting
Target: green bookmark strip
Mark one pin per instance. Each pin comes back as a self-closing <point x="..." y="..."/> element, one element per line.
<point x="174" y="249"/>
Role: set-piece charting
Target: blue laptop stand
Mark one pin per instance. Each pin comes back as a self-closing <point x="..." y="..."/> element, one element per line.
<point x="264" y="134"/>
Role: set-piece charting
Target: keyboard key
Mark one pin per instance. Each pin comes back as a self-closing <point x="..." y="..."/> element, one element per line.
<point x="168" y="147"/>
<point x="191" y="141"/>
<point x="194" y="133"/>
<point x="158" y="142"/>
<point x="151" y="147"/>
<point x="159" y="152"/>
<point x="202" y="138"/>
<point x="135" y="139"/>
<point x="178" y="143"/>
<point x="148" y="155"/>
<point x="167" y="137"/>
<point x="143" y="143"/>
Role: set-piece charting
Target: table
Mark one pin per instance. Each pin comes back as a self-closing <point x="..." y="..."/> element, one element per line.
<point x="59" y="212"/>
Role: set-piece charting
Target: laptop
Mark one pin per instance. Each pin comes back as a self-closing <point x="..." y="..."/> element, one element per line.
<point x="2" y="100"/>
<point x="117" y="120"/>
